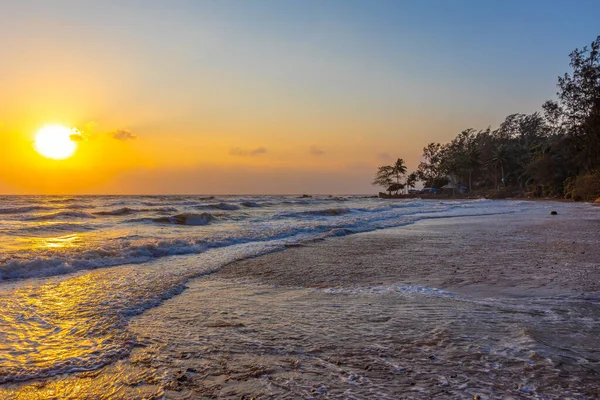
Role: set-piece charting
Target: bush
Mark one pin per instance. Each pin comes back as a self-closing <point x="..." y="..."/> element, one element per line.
<point x="584" y="187"/>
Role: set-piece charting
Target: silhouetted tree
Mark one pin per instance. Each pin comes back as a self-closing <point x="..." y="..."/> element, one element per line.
<point x="553" y="149"/>
<point x="577" y="111"/>
<point x="384" y="177"/>
<point x="430" y="171"/>
<point x="387" y="173"/>
<point x="399" y="169"/>
<point x="411" y="180"/>
<point x="499" y="160"/>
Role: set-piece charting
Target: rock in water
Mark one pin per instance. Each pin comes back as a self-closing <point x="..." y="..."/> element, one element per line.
<point x="553" y="213"/>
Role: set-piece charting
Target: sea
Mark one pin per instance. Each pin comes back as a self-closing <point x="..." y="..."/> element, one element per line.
<point x="75" y="269"/>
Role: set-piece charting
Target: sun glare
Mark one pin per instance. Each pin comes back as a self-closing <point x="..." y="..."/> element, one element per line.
<point x="55" y="142"/>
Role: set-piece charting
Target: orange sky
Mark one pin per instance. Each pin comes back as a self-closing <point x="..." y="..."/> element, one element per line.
<point x="262" y="99"/>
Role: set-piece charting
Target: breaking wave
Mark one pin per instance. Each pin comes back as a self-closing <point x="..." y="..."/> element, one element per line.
<point x="61" y="215"/>
<point x="129" y="211"/>
<point x="119" y="211"/>
<point x="329" y="212"/>
<point x="220" y="206"/>
<point x="186" y="219"/>
<point x="23" y="210"/>
<point x="251" y="204"/>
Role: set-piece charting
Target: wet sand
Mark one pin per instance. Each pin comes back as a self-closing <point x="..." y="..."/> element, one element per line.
<point x="507" y="254"/>
<point x="354" y="317"/>
<point x="500" y="307"/>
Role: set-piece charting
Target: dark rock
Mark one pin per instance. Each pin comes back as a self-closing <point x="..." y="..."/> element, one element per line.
<point x="553" y="213"/>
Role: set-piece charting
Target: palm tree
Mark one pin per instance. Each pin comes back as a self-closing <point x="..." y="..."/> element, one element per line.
<point x="473" y="162"/>
<point x="411" y="180"/>
<point x="398" y="169"/>
<point x="384" y="177"/>
<point x="499" y="159"/>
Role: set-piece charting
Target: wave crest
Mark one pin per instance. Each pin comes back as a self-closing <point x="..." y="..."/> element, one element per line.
<point x="220" y="206"/>
<point x="23" y="210"/>
<point x="186" y="219"/>
<point x="328" y="212"/>
<point x="62" y="214"/>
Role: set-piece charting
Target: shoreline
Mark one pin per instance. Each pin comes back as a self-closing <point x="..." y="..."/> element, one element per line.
<point x="547" y="235"/>
<point x="320" y="319"/>
<point x="352" y="316"/>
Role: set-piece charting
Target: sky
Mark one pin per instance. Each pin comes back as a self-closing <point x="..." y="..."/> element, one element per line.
<point x="265" y="97"/>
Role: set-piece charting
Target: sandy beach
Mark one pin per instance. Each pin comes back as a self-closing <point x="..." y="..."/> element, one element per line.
<point x="266" y="199"/>
<point x="498" y="307"/>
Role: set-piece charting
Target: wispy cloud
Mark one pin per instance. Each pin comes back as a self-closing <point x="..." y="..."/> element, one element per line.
<point x="384" y="156"/>
<point x="77" y="135"/>
<point x="123" y="135"/>
<point x="315" y="151"/>
<point x="239" y="152"/>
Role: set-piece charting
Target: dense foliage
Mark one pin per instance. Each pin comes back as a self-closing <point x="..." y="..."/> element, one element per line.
<point x="555" y="152"/>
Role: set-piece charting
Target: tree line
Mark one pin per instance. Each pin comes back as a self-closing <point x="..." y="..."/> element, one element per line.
<point x="555" y="151"/>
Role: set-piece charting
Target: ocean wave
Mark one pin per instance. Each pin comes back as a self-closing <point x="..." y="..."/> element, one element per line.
<point x="162" y="210"/>
<point x="23" y="209"/>
<point x="220" y="206"/>
<point x="79" y="206"/>
<point x="59" y="227"/>
<point x="62" y="214"/>
<point x="150" y="244"/>
<point x="297" y="202"/>
<point x="336" y="198"/>
<point x="186" y="219"/>
<point x="19" y="266"/>
<point x="128" y="211"/>
<point x="62" y="200"/>
<point x="173" y="202"/>
<point x="118" y="211"/>
<point x="328" y="212"/>
<point x="251" y="204"/>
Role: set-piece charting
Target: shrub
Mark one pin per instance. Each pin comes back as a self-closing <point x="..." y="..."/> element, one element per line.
<point x="584" y="187"/>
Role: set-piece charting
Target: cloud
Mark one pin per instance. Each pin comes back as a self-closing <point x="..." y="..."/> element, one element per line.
<point x="123" y="135"/>
<point x="77" y="135"/>
<point x="239" y="152"/>
<point x="315" y="151"/>
<point x="384" y="156"/>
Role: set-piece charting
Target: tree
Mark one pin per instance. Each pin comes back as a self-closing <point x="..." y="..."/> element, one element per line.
<point x="399" y="169"/>
<point x="384" y="177"/>
<point x="552" y="149"/>
<point x="395" y="187"/>
<point x="411" y="180"/>
<point x="577" y="111"/>
<point x="387" y="173"/>
<point x="473" y="162"/>
<point x="499" y="159"/>
<point x="430" y="170"/>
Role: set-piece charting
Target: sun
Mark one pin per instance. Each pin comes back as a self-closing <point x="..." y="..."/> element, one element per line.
<point x="56" y="142"/>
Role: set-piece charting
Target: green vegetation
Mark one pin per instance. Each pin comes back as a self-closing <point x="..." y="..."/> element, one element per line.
<point x="552" y="153"/>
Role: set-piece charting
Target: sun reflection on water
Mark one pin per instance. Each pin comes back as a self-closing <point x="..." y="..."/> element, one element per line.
<point x="68" y="241"/>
